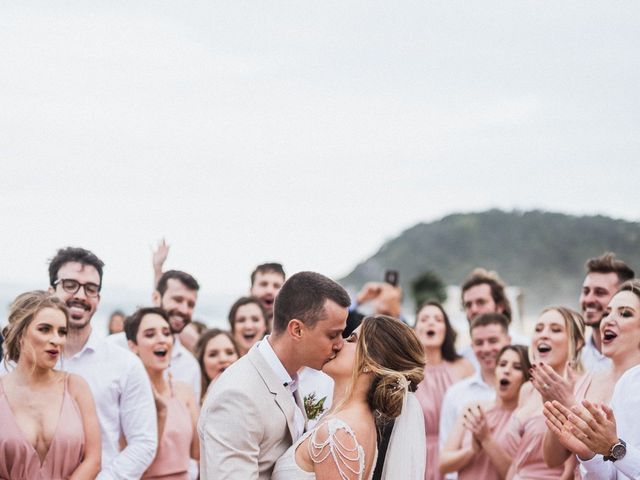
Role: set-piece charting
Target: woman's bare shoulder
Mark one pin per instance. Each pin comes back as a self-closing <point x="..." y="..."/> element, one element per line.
<point x="78" y="386"/>
<point x="462" y="368"/>
<point x="184" y="391"/>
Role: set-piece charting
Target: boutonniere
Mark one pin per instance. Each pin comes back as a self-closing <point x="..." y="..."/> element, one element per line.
<point x="313" y="408"/>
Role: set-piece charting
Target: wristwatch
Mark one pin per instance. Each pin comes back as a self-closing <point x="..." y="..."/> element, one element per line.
<point x="617" y="451"/>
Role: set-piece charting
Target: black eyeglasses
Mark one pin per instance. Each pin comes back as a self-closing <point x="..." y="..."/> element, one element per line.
<point x="72" y="286"/>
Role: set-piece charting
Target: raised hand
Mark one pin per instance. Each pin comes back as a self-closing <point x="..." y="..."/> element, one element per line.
<point x="160" y="254"/>
<point x="475" y="421"/>
<point x="369" y="291"/>
<point x="552" y="386"/>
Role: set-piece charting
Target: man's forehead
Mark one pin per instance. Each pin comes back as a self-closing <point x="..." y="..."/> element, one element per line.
<point x="270" y="275"/>
<point x="70" y="268"/>
<point x="485" y="331"/>
<point x="478" y="291"/>
<point x="175" y="286"/>
<point x="603" y="280"/>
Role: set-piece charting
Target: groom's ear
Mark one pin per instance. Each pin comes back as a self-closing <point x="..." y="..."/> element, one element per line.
<point x="295" y="327"/>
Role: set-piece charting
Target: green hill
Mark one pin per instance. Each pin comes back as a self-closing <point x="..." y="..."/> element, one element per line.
<point x="542" y="252"/>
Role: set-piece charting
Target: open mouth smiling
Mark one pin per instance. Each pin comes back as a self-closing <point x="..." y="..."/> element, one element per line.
<point x="608" y="336"/>
<point x="544" y="348"/>
<point x="160" y="352"/>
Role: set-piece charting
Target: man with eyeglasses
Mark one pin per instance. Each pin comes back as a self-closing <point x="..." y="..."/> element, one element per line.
<point x="118" y="380"/>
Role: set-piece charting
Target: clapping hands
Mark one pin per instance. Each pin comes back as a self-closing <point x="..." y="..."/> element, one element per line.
<point x="475" y="421"/>
<point x="584" y="429"/>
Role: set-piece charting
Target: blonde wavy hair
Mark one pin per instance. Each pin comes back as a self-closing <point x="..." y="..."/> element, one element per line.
<point x="21" y="313"/>
<point x="574" y="323"/>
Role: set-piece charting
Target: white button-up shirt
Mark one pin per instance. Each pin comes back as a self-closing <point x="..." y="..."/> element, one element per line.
<point x="183" y="367"/>
<point x="593" y="360"/>
<point x="625" y="404"/>
<point x="124" y="403"/>
<point x="319" y="384"/>
<point x="291" y="384"/>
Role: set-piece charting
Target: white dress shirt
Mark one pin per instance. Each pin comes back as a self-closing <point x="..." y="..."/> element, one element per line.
<point x="625" y="404"/>
<point x="456" y="399"/>
<point x="183" y="367"/>
<point x="592" y="359"/>
<point x="312" y="381"/>
<point x="291" y="384"/>
<point x="124" y="403"/>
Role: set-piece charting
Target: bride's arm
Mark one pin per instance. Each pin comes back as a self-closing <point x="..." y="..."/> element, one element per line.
<point x="335" y="453"/>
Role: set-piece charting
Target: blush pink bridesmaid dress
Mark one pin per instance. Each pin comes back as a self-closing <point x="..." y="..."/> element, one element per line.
<point x="19" y="459"/>
<point x="437" y="379"/>
<point x="174" y="448"/>
<point x="481" y="467"/>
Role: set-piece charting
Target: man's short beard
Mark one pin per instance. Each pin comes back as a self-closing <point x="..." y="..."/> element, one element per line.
<point x="75" y="326"/>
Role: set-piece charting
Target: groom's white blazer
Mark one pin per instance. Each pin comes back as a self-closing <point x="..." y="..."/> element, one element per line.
<point x="246" y="422"/>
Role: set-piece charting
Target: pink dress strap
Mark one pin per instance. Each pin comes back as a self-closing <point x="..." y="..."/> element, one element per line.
<point x="437" y="380"/>
<point x="174" y="448"/>
<point x="20" y="461"/>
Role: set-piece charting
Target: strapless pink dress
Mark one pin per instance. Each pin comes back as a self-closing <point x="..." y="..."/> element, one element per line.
<point x="498" y="420"/>
<point x="437" y="379"/>
<point x="174" y="449"/>
<point x="20" y="461"/>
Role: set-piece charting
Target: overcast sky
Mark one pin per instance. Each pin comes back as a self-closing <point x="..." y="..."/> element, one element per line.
<point x="302" y="132"/>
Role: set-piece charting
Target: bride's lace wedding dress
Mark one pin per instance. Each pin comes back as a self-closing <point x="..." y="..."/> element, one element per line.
<point x="342" y="453"/>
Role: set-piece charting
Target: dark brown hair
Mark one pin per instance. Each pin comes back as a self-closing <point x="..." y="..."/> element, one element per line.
<point x="183" y="277"/>
<point x="242" y="301"/>
<point x="132" y="322"/>
<point x="267" y="268"/>
<point x="608" y="263"/>
<point x="490" y="319"/>
<point x="480" y="276"/>
<point x="523" y="353"/>
<point x="448" y="347"/>
<point x="201" y="346"/>
<point x="73" y="254"/>
<point x="303" y="297"/>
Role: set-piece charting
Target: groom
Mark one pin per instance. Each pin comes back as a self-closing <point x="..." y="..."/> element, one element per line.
<point x="253" y="413"/>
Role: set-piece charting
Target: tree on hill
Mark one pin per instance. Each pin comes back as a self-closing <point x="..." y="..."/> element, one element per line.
<point x="428" y="286"/>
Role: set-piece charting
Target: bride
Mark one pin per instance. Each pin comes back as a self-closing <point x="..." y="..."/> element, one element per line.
<point x="375" y="373"/>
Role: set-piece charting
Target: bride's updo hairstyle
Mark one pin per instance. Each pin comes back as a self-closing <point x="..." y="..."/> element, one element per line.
<point x="391" y="351"/>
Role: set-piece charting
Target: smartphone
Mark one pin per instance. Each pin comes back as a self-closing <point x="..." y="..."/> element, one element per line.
<point x="391" y="277"/>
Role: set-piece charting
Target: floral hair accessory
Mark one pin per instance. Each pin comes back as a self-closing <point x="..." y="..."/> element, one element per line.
<point x="403" y="383"/>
